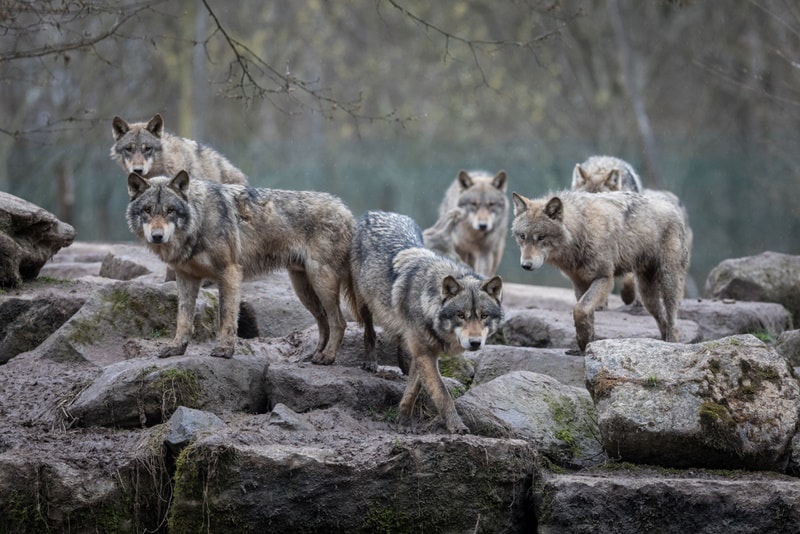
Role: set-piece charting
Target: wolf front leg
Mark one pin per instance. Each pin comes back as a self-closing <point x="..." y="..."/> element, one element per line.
<point x="583" y="314"/>
<point x="428" y="372"/>
<point x="188" y="287"/>
<point x="230" y="289"/>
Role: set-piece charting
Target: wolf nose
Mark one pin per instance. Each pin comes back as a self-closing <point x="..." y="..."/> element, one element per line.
<point x="483" y="226"/>
<point x="157" y="237"/>
<point x="528" y="266"/>
<point x="475" y="344"/>
<point x="138" y="170"/>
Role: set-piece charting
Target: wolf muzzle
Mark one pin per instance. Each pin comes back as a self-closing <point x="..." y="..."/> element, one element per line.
<point x="531" y="264"/>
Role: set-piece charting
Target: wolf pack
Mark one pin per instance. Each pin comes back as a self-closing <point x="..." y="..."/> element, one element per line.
<point x="435" y="291"/>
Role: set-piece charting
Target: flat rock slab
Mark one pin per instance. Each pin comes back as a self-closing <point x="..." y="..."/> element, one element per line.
<point x="493" y="361"/>
<point x="611" y="501"/>
<point x="556" y="328"/>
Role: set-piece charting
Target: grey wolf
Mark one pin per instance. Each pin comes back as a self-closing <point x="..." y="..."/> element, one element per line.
<point x="603" y="174"/>
<point x="439" y="237"/>
<point x="591" y="237"/>
<point x="434" y="305"/>
<point x="147" y="150"/>
<point x="608" y="174"/>
<point x="479" y="238"/>
<point x="226" y="232"/>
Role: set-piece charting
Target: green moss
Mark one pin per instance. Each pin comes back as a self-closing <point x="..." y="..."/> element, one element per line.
<point x="197" y="469"/>
<point x="763" y="336"/>
<point x="719" y="427"/>
<point x="178" y="387"/>
<point x="651" y="382"/>
<point x="388" y="520"/>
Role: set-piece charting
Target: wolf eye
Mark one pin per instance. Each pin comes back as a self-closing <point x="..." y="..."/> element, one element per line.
<point x="147" y="150"/>
<point x="538" y="238"/>
<point x="170" y="210"/>
<point x="147" y="209"/>
<point x="461" y="315"/>
<point x="521" y="236"/>
<point x="128" y="149"/>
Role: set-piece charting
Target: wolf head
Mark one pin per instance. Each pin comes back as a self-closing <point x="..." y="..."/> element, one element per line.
<point x="483" y="199"/>
<point x="158" y="206"/>
<point x="137" y="146"/>
<point x="471" y="309"/>
<point x="601" y="174"/>
<point x="538" y="228"/>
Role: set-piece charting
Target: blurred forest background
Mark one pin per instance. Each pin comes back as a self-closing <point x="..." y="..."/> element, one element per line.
<point x="381" y="102"/>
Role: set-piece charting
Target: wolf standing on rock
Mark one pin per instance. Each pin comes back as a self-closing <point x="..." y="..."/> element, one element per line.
<point x="479" y="238"/>
<point x="147" y="150"/>
<point x="591" y="237"/>
<point x="433" y="304"/>
<point x="223" y="232"/>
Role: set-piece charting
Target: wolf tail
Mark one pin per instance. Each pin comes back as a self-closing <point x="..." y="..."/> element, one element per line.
<point x="351" y="297"/>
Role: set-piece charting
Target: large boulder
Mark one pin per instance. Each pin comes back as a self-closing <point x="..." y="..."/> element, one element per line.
<point x="29" y="236"/>
<point x="496" y="360"/>
<point x="143" y="392"/>
<point x="768" y="277"/>
<point x="729" y="403"/>
<point x="560" y="421"/>
<point x="382" y="482"/>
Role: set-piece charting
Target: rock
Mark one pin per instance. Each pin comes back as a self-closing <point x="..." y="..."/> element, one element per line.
<point x="306" y="387"/>
<point x="767" y="277"/>
<point x="185" y="424"/>
<point x="126" y="262"/>
<point x="77" y="260"/>
<point x="731" y="403"/>
<point x="528" y="296"/>
<point x="387" y="483"/>
<point x="497" y="360"/>
<point x="626" y="501"/>
<point x="788" y="345"/>
<point x="29" y="236"/>
<point x="722" y="318"/>
<point x="556" y="328"/>
<point x="144" y="392"/>
<point x="560" y="421"/>
<point x="99" y="332"/>
<point x="284" y="417"/>
<point x="28" y="317"/>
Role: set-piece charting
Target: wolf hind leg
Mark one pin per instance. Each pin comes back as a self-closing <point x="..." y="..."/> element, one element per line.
<point x="672" y="287"/>
<point x="628" y="289"/>
<point x="326" y="283"/>
<point x="650" y="292"/>
<point x="188" y="288"/>
<point x="370" y="355"/>
<point x="230" y="289"/>
<point x="305" y="293"/>
<point x="410" y="395"/>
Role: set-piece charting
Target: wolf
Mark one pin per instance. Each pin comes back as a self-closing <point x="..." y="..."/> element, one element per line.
<point x="146" y="149"/>
<point x="439" y="237"/>
<point x="591" y="237"/>
<point x="432" y="304"/>
<point x="225" y="232"/>
<point x="605" y="173"/>
<point x="608" y="174"/>
<point x="479" y="239"/>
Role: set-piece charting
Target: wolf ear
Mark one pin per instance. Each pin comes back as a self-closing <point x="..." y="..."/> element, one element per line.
<point x="119" y="128"/>
<point x="464" y="180"/>
<point x="136" y="185"/>
<point x="499" y="180"/>
<point x="494" y="288"/>
<point x="450" y="287"/>
<point x="180" y="184"/>
<point x="579" y="176"/>
<point x="520" y="203"/>
<point x="554" y="209"/>
<point x="612" y="180"/>
<point x="156" y="125"/>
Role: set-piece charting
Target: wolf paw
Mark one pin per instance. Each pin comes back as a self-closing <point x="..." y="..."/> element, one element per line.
<point x="574" y="352"/>
<point x="222" y="352"/>
<point x="172" y="350"/>
<point x="456" y="426"/>
<point x="320" y="358"/>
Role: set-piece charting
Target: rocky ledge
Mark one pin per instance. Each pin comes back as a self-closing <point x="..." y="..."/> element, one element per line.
<point x="97" y="434"/>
